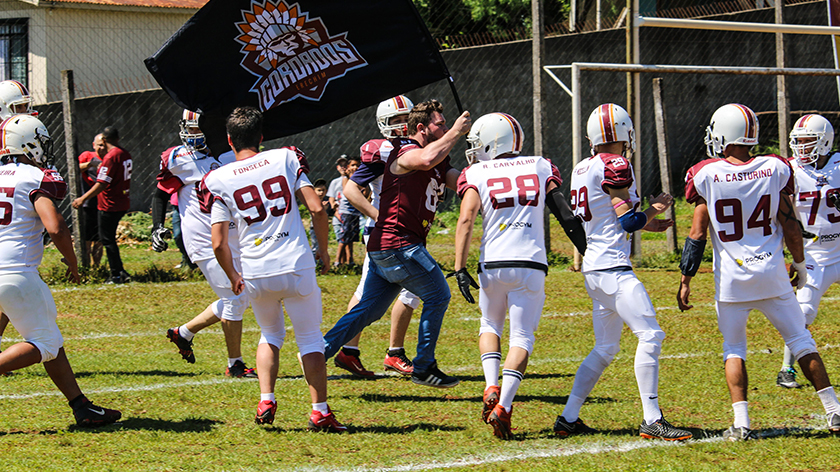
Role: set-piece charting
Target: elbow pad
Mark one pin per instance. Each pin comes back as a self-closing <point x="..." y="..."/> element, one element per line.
<point x="559" y="207"/>
<point x="632" y="220"/>
<point x="692" y="255"/>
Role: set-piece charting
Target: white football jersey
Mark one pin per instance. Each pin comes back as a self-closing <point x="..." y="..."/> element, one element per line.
<point x="21" y="229"/>
<point x="607" y="244"/>
<point x="512" y="192"/>
<point x="181" y="170"/>
<point x="743" y="201"/>
<point x="258" y="194"/>
<point x="374" y="153"/>
<point x="815" y="210"/>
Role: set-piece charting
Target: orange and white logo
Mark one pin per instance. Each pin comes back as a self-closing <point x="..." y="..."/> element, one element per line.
<point x="293" y="55"/>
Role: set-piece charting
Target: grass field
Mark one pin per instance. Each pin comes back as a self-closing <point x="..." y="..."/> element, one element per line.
<point x="178" y="416"/>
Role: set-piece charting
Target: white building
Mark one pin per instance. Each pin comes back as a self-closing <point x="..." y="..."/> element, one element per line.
<point x="103" y="41"/>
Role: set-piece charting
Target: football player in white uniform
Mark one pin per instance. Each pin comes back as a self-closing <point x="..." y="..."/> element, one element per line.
<point x="391" y="118"/>
<point x="817" y="175"/>
<point x="14" y="99"/>
<point x="181" y="170"/>
<point x="746" y="200"/>
<point x="28" y="191"/>
<point x="257" y="192"/>
<point x="604" y="196"/>
<point x="511" y="191"/>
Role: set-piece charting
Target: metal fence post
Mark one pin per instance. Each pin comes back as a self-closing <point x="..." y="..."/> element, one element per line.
<point x="576" y="135"/>
<point x="68" y="95"/>
<point x="781" y="86"/>
<point x="537" y="58"/>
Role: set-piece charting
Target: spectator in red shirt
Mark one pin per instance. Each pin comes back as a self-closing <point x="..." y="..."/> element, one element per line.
<point x="111" y="190"/>
<point x="89" y="165"/>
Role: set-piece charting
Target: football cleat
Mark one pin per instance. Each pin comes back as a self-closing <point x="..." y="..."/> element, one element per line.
<point x="834" y="423"/>
<point x="184" y="346"/>
<point x="787" y="379"/>
<point x="662" y="429"/>
<point x="491" y="399"/>
<point x="564" y="428"/>
<point x="265" y="412"/>
<point x="397" y="361"/>
<point x="739" y="434"/>
<point x="351" y="363"/>
<point x="239" y="370"/>
<point x="89" y="415"/>
<point x="499" y="419"/>
<point x="326" y="423"/>
<point x="433" y="377"/>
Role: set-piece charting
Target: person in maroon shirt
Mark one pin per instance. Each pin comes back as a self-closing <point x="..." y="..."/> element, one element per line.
<point x="89" y="165"/>
<point x="111" y="191"/>
<point x="416" y="174"/>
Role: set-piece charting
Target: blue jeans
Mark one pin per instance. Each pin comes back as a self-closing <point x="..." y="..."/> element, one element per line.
<point x="411" y="268"/>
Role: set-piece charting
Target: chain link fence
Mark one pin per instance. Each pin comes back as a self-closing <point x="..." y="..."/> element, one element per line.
<point x="486" y="45"/>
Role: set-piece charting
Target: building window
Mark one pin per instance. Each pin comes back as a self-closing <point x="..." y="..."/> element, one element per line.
<point x="14" y="50"/>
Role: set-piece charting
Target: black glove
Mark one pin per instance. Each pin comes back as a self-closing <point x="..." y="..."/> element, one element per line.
<point x="158" y="236"/>
<point x="465" y="281"/>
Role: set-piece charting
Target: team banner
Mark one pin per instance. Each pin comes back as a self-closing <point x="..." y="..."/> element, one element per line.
<point x="303" y="64"/>
<point x="834" y="20"/>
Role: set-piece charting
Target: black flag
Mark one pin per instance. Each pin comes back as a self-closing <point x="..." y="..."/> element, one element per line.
<point x="303" y="64"/>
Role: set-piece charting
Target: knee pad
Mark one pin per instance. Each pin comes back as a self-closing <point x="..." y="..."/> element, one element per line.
<point x="649" y="347"/>
<point x="310" y="342"/>
<point x="596" y="362"/>
<point x="491" y="326"/>
<point x="523" y="341"/>
<point x="606" y="353"/>
<point x="409" y="299"/>
<point x="802" y="344"/>
<point x="233" y="308"/>
<point x="218" y="307"/>
<point x="276" y="339"/>
<point x="651" y="336"/>
<point x="48" y="344"/>
<point x="734" y="350"/>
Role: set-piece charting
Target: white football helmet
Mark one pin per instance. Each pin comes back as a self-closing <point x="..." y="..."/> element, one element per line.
<point x="193" y="141"/>
<point x="399" y="105"/>
<point x="610" y="123"/>
<point x="25" y="135"/>
<point x="821" y="133"/>
<point x="731" y="124"/>
<point x="492" y="135"/>
<point x="13" y="94"/>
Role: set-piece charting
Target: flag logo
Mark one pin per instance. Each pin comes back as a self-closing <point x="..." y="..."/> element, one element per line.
<point x="292" y="55"/>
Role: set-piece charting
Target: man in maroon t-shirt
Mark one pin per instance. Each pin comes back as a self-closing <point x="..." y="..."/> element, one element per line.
<point x="416" y="174"/>
<point x="89" y="165"/>
<point x="111" y="192"/>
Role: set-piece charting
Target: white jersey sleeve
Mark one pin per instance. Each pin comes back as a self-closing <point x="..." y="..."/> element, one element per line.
<point x="743" y="201"/>
<point x="815" y="190"/>
<point x="259" y="193"/>
<point x="21" y="229"/>
<point x="512" y="192"/>
<point x="607" y="244"/>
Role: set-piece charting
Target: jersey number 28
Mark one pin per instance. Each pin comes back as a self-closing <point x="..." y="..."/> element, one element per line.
<point x="527" y="189"/>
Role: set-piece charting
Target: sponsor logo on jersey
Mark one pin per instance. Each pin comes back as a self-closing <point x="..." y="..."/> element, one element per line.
<point x="828" y="238"/>
<point x="756" y="259"/>
<point x="515" y="225"/>
<point x="293" y="55"/>
<point x="280" y="235"/>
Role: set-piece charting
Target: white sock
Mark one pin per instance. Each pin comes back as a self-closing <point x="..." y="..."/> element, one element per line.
<point x="586" y="377"/>
<point x="829" y="400"/>
<point x="490" y="362"/>
<point x="267" y="397"/>
<point x="185" y="333"/>
<point x="571" y="412"/>
<point x="788" y="361"/>
<point x="650" y="406"/>
<point x="742" y="415"/>
<point x="321" y="408"/>
<point x="510" y="384"/>
<point x="232" y="360"/>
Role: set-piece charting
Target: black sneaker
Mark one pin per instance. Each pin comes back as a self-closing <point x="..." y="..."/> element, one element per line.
<point x="739" y="434"/>
<point x="239" y="370"/>
<point x="787" y="379"/>
<point x="433" y="377"/>
<point x="89" y="415"/>
<point x="564" y="428"/>
<point x="184" y="346"/>
<point x="662" y="429"/>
